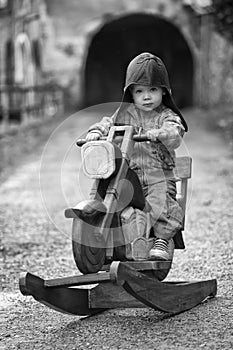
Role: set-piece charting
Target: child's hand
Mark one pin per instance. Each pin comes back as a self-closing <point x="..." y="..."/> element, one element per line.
<point x="92" y="136"/>
<point x="152" y="134"/>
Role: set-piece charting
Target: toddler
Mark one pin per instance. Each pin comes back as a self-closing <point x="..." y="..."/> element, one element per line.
<point x="148" y="105"/>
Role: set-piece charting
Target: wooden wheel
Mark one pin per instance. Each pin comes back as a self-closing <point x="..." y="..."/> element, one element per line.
<point x="88" y="247"/>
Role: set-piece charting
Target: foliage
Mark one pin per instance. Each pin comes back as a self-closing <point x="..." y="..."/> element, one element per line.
<point x="223" y="10"/>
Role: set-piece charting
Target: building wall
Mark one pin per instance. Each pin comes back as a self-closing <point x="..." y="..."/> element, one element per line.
<point x="20" y="24"/>
<point x="220" y="70"/>
<point x="5" y="36"/>
<point x="22" y="73"/>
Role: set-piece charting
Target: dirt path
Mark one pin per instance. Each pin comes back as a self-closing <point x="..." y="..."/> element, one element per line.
<point x="33" y="242"/>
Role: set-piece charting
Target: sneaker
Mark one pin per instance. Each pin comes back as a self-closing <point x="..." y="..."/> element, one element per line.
<point x="162" y="249"/>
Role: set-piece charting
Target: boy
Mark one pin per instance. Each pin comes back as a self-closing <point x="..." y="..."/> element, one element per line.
<point x="152" y="110"/>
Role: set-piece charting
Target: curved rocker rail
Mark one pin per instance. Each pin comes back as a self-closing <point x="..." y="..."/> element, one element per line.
<point x="123" y="286"/>
<point x="171" y="297"/>
<point x="63" y="299"/>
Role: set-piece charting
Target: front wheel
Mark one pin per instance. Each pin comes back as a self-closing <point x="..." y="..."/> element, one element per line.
<point x="88" y="247"/>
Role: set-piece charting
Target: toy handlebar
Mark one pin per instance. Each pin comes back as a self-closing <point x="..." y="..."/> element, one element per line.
<point x="137" y="138"/>
<point x="80" y="142"/>
<point x="141" y="138"/>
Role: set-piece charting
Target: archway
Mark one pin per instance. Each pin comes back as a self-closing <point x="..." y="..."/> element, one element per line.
<point x="118" y="41"/>
<point x="24" y="69"/>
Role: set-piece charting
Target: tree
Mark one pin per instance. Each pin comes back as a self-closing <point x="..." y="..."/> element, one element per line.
<point x="223" y="13"/>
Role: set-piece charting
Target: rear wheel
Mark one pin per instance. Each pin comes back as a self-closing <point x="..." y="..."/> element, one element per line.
<point x="88" y="247"/>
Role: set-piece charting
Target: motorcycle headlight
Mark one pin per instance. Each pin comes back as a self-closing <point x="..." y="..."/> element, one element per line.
<point x="98" y="159"/>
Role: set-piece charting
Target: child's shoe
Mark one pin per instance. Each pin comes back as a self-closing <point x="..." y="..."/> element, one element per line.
<point x="162" y="249"/>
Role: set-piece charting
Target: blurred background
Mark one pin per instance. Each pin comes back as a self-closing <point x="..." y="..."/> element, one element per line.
<point x="59" y="56"/>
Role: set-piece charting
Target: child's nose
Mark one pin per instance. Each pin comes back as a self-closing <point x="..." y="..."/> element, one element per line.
<point x="146" y="94"/>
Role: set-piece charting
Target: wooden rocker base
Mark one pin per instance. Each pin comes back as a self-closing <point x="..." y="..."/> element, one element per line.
<point x="120" y="287"/>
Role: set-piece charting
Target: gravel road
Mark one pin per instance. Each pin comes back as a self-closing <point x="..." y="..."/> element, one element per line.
<point x="36" y="238"/>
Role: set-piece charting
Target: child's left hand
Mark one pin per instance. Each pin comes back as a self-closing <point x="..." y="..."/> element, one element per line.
<point x="152" y="134"/>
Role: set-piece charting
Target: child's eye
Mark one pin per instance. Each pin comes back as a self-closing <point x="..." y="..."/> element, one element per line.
<point x="138" y="91"/>
<point x="154" y="89"/>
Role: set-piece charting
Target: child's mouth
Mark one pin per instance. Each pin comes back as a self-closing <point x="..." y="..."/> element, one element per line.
<point x="148" y="104"/>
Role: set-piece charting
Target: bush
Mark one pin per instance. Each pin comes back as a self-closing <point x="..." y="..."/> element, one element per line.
<point x="223" y="12"/>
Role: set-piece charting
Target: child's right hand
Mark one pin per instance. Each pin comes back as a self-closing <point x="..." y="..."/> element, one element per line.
<point x="92" y="136"/>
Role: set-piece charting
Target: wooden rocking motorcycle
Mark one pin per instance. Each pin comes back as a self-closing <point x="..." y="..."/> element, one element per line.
<point x="111" y="239"/>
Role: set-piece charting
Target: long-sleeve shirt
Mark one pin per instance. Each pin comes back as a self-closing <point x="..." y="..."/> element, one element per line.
<point x="149" y="158"/>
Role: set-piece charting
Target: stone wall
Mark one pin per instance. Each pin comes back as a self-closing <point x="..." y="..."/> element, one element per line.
<point x="75" y="24"/>
<point x="221" y="70"/>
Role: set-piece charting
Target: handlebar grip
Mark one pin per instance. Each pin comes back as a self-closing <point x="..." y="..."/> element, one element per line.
<point x="81" y="142"/>
<point x="141" y="138"/>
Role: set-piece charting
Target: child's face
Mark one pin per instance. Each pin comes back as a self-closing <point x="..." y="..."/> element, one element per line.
<point x="147" y="98"/>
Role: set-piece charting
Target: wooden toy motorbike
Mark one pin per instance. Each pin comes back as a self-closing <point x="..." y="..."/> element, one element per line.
<point x="114" y="223"/>
<point x="111" y="240"/>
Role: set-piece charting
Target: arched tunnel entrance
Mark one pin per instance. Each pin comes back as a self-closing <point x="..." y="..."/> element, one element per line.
<point x="120" y="40"/>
